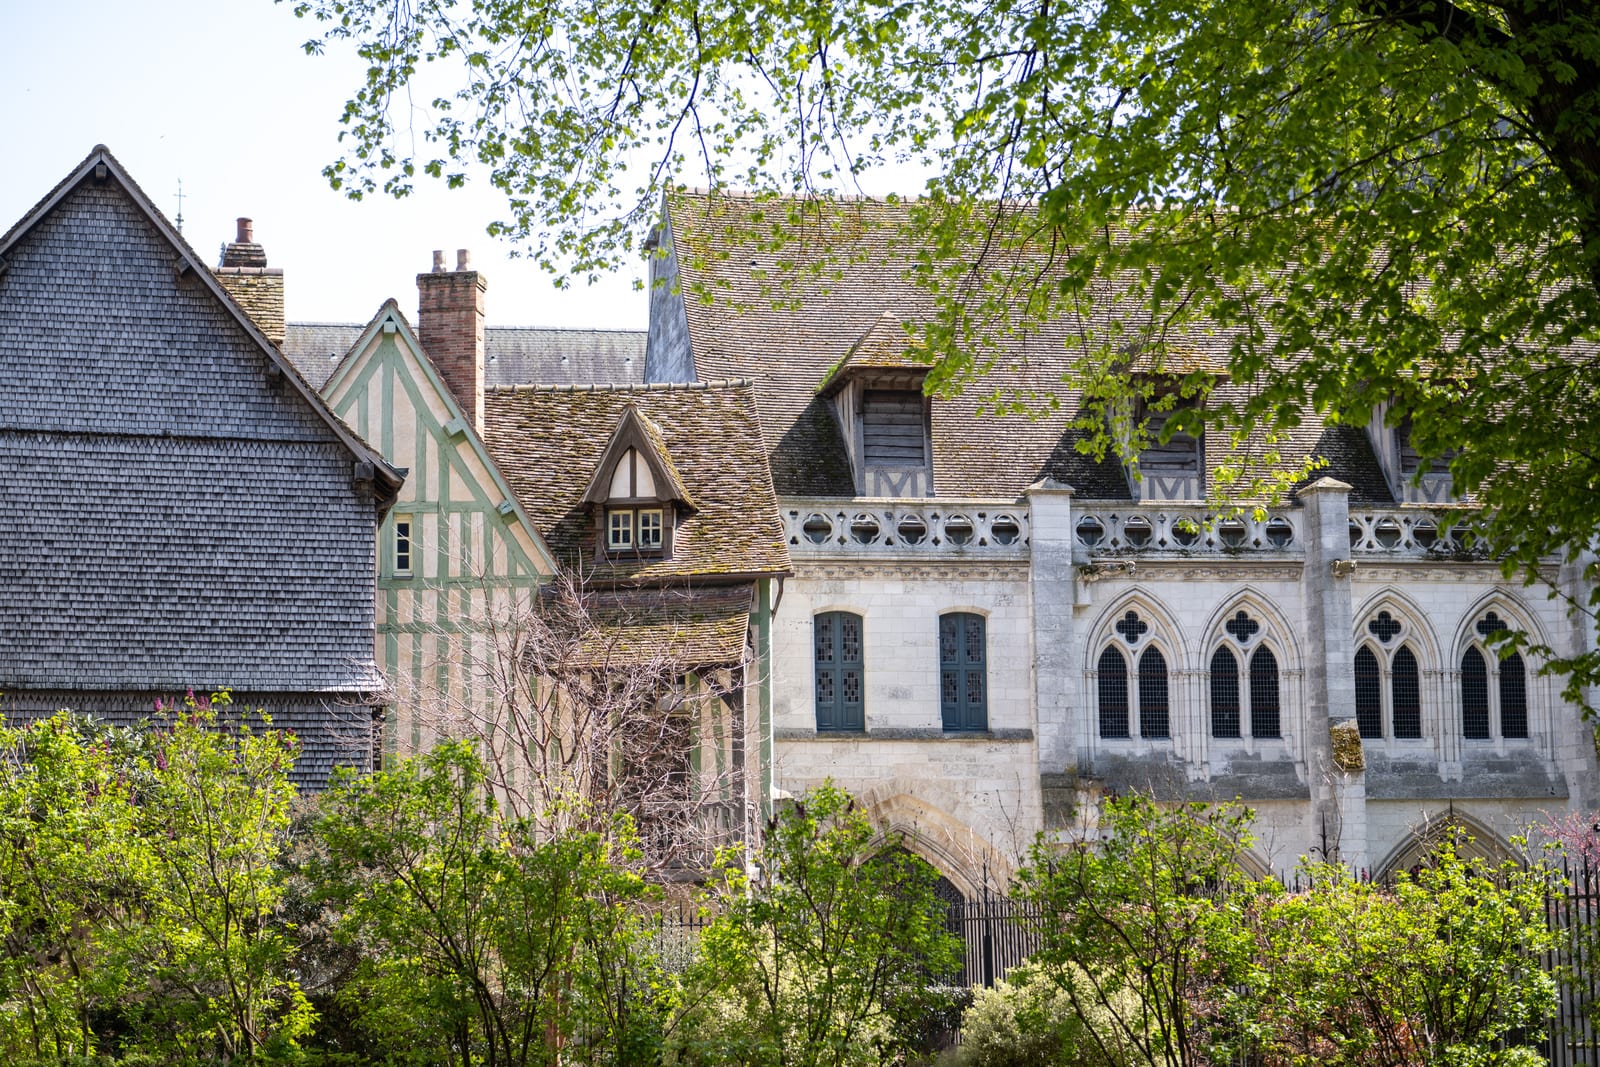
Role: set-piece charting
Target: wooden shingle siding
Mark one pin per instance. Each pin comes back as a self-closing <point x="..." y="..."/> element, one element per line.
<point x="136" y="561"/>
<point x="97" y="336"/>
<point x="332" y="731"/>
<point x="178" y="510"/>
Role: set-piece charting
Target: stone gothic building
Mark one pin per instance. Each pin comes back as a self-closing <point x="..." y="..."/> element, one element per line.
<point x="987" y="630"/>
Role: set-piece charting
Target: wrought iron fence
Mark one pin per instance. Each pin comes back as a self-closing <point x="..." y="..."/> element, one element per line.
<point x="998" y="933"/>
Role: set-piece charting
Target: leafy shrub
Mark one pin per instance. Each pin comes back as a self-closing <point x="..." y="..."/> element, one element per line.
<point x="1027" y="1020"/>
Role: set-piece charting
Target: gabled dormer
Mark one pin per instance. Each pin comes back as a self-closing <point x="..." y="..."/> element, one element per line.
<point x="635" y="494"/>
<point x="876" y="391"/>
<point x="1412" y="478"/>
<point x="1171" y="458"/>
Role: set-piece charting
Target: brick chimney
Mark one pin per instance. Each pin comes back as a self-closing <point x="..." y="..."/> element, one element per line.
<point x="450" y="327"/>
<point x="247" y="278"/>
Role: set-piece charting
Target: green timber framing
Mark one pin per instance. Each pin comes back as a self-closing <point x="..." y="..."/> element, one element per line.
<point x="471" y="541"/>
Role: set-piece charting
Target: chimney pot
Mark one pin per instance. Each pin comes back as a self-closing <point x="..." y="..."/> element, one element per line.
<point x="438" y="261"/>
<point x="246" y="231"/>
<point x="463" y="259"/>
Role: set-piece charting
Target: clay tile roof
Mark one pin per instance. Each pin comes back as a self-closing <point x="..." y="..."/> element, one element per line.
<point x="845" y="273"/>
<point x="548" y="440"/>
<point x="683" y="628"/>
<point x="888" y="345"/>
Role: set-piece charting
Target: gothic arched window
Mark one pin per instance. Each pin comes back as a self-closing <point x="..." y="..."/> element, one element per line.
<point x="1264" y="708"/>
<point x="1142" y="702"/>
<point x="1396" y="710"/>
<point x="1494" y="691"/>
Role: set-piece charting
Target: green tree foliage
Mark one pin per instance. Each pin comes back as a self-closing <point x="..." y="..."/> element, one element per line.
<point x="139" y="886"/>
<point x="826" y="952"/>
<point x="1366" y="201"/>
<point x="1169" y="954"/>
<point x="1439" y="968"/>
<point x="484" y="941"/>
<point x="1142" y="932"/>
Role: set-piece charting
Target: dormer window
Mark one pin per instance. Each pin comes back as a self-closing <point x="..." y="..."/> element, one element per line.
<point x="1169" y="469"/>
<point x="1413" y="478"/>
<point x="640" y="529"/>
<point x="892" y="433"/>
<point x="635" y="492"/>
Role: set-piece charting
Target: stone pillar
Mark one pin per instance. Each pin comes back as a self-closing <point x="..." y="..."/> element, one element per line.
<point x="1052" y="580"/>
<point x="451" y="328"/>
<point x="1337" y="813"/>
<point x="1577" y="748"/>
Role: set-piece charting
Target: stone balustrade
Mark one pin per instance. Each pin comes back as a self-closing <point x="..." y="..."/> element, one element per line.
<point x="1407" y="532"/>
<point x="1119" y="530"/>
<point x="996" y="528"/>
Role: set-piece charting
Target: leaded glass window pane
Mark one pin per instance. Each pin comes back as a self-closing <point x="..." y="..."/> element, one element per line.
<point x="839" y="671"/>
<point x="1264" y="713"/>
<point x="962" y="672"/>
<point x="1407" y="694"/>
<point x="1224" y="694"/>
<point x="1113" y="670"/>
<point x="1474" y="696"/>
<point x="1513" y="697"/>
<point x="1153" y="716"/>
<point x="1369" y="694"/>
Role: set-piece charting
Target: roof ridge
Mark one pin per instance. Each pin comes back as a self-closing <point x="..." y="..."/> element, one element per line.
<point x="646" y="387"/>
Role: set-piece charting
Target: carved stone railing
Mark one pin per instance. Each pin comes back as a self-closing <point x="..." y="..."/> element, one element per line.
<point x="1115" y="529"/>
<point x="1407" y="532"/>
<point x="994" y="528"/>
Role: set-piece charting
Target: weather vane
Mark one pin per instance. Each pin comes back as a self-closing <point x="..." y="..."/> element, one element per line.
<point x="179" y="219"/>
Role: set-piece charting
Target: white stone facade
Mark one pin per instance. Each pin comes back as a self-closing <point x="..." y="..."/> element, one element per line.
<point x="1053" y="577"/>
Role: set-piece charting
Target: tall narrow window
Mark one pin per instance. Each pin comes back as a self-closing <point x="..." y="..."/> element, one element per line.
<point x="1224" y="694"/>
<point x="402" y="546"/>
<point x="963" y="679"/>
<point x="1153" y="716"/>
<point x="1113" y="672"/>
<point x="839" y="671"/>
<point x="1264" y="715"/>
<point x="1407" y="695"/>
<point x="1513" y="697"/>
<point x="1369" y="694"/>
<point x="1474" y="696"/>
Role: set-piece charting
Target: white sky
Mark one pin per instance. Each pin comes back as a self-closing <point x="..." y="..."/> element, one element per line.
<point x="220" y="94"/>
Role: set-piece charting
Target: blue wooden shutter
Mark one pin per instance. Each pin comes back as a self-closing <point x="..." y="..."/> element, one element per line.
<point x="839" y="671"/>
<point x="963" y="674"/>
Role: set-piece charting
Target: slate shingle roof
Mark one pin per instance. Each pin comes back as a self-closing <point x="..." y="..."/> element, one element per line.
<point x="177" y="507"/>
<point x="547" y="441"/>
<point x="849" y="274"/>
<point x="514" y="355"/>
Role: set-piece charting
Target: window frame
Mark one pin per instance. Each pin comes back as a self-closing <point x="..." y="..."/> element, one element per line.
<point x="1495" y="678"/>
<point x="403" y="549"/>
<point x="1138" y="687"/>
<point x="1388" y="681"/>
<point x="843" y="716"/>
<point x="964" y="715"/>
